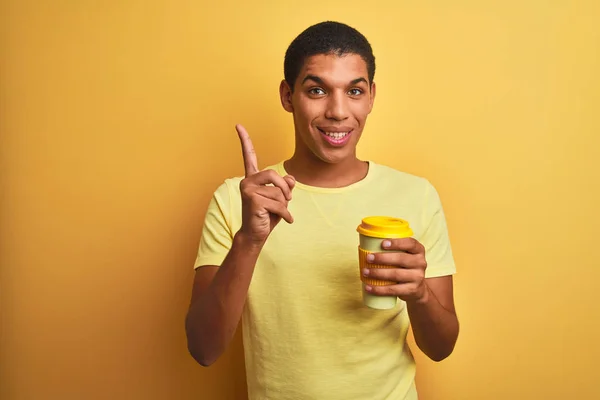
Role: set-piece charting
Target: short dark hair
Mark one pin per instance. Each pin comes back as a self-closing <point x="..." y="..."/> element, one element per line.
<point x="327" y="37"/>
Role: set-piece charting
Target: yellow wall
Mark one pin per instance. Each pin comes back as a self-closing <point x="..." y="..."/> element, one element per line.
<point x="117" y="122"/>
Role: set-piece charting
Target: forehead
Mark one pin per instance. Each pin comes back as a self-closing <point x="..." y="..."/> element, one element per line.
<point x="335" y="69"/>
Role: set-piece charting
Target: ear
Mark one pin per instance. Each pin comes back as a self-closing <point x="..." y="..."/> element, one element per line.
<point x="285" y="93"/>
<point x="372" y="96"/>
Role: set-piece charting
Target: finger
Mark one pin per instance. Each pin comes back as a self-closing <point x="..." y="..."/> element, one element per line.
<point x="402" y="290"/>
<point x="409" y="245"/>
<point x="250" y="162"/>
<point x="398" y="259"/>
<point x="279" y="209"/>
<point x="269" y="176"/>
<point x="291" y="181"/>
<point x="272" y="193"/>
<point x="394" y="274"/>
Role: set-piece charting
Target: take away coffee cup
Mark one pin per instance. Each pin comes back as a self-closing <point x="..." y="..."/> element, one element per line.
<point x="372" y="232"/>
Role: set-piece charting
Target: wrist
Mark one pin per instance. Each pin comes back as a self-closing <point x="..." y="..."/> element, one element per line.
<point x="424" y="297"/>
<point x="247" y="243"/>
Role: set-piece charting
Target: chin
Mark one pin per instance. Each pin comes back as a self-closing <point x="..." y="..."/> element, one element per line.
<point x="330" y="157"/>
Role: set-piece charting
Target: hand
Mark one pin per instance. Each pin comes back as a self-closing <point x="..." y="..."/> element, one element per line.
<point x="408" y="255"/>
<point x="262" y="206"/>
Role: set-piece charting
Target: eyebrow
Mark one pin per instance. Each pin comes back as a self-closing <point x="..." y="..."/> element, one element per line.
<point x="318" y="80"/>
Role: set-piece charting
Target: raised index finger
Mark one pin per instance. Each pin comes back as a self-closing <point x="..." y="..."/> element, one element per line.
<point x="250" y="162"/>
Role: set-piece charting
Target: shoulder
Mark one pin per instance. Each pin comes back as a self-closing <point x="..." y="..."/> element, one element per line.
<point x="414" y="189"/>
<point x="228" y="187"/>
<point x="406" y="180"/>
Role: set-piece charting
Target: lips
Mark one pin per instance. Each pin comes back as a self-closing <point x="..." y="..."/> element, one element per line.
<point x="336" y="136"/>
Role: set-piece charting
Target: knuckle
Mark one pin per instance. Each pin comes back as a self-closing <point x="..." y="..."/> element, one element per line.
<point x="245" y="184"/>
<point x="280" y="194"/>
<point x="420" y="275"/>
<point x="414" y="244"/>
<point x="415" y="289"/>
<point x="422" y="261"/>
<point x="403" y="275"/>
<point x="246" y="192"/>
<point x="271" y="174"/>
<point x="389" y="290"/>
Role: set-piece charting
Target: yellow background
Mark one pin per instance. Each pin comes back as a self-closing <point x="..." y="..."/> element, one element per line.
<point x="117" y="123"/>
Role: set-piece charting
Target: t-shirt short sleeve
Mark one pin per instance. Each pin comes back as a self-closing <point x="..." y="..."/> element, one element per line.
<point x="435" y="238"/>
<point x="217" y="235"/>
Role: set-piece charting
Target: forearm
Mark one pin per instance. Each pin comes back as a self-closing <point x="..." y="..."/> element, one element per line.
<point x="213" y="318"/>
<point x="435" y="327"/>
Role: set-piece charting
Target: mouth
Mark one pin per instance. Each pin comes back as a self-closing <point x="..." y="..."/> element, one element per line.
<point x="336" y="138"/>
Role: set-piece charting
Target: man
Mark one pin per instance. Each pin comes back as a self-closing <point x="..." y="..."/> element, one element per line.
<point x="295" y="285"/>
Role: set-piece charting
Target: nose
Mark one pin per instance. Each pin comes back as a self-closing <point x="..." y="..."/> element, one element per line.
<point x="337" y="107"/>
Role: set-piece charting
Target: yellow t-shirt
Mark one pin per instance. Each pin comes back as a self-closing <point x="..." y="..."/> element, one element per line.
<point x="306" y="332"/>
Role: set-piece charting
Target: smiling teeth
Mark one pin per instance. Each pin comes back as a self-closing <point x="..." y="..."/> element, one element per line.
<point x="336" y="135"/>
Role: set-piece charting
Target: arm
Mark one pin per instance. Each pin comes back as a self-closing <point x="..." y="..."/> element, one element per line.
<point x="434" y="319"/>
<point x="430" y="301"/>
<point x="218" y="298"/>
<point x="219" y="293"/>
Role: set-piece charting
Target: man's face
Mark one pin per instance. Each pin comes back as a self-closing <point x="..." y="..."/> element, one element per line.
<point x="330" y="104"/>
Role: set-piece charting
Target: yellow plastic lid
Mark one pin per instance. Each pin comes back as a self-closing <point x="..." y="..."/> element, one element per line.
<point x="384" y="227"/>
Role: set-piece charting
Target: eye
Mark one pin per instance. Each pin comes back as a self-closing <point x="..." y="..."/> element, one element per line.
<point x="355" y="92"/>
<point x="316" y="91"/>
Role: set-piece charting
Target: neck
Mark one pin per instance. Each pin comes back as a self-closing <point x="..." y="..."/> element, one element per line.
<point x="310" y="170"/>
